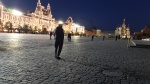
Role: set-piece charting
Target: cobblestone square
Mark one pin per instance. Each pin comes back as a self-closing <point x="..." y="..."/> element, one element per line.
<point x="30" y="59"/>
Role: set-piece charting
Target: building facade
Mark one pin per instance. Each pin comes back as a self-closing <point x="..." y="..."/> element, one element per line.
<point x="71" y="27"/>
<point x="143" y="34"/>
<point x="39" y="20"/>
<point x="123" y="31"/>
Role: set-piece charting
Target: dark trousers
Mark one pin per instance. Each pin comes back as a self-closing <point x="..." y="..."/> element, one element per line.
<point x="50" y="37"/>
<point x="92" y="38"/>
<point x="58" y="48"/>
<point x="103" y="39"/>
<point x="116" y="38"/>
<point x="69" y="38"/>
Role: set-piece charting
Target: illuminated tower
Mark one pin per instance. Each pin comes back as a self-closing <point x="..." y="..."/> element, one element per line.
<point x="128" y="32"/>
<point x="48" y="9"/>
<point x="124" y="24"/>
<point x="123" y="29"/>
<point x="70" y="23"/>
<point x="38" y="9"/>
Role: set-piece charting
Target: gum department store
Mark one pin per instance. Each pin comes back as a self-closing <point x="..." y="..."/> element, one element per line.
<point x="41" y="19"/>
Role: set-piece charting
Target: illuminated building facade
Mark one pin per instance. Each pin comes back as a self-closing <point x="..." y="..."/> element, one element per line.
<point x="123" y="31"/>
<point x="39" y="20"/>
<point x="143" y="34"/>
<point x="71" y="27"/>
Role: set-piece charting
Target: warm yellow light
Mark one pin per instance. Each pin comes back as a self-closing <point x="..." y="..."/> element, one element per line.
<point x="16" y="12"/>
<point x="60" y="22"/>
<point x="77" y="25"/>
<point x="5" y="30"/>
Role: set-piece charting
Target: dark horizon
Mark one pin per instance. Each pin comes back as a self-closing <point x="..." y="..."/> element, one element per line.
<point x="105" y="15"/>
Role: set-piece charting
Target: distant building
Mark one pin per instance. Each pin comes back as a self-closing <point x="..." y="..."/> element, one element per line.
<point x="109" y="34"/>
<point x="70" y="26"/>
<point x="123" y="31"/>
<point x="98" y="32"/>
<point x="145" y="33"/>
<point x="39" y="20"/>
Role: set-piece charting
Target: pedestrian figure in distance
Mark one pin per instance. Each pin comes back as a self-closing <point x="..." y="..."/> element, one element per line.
<point x="51" y="33"/>
<point x="59" y="39"/>
<point x="92" y="37"/>
<point x="116" y="37"/>
<point x="80" y="35"/>
<point x="69" y="36"/>
<point x="103" y="38"/>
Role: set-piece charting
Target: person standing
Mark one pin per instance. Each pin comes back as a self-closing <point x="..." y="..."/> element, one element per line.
<point x="51" y="33"/>
<point x="92" y="37"/>
<point x="116" y="37"/>
<point x="69" y="36"/>
<point x="103" y="38"/>
<point x="59" y="39"/>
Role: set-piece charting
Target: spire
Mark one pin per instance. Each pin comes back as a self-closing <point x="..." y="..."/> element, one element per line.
<point x="48" y="6"/>
<point x="38" y="7"/>
<point x="128" y="27"/>
<point x="48" y="9"/>
<point x="39" y="3"/>
<point x="124" y="21"/>
<point x="124" y="24"/>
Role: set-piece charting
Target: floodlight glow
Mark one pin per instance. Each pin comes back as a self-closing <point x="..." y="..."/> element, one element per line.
<point x="16" y="12"/>
<point x="77" y="25"/>
<point x="60" y="22"/>
<point x="5" y="30"/>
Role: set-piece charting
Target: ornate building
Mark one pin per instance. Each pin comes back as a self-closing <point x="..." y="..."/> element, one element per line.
<point x="39" y="20"/>
<point x="70" y="26"/>
<point x="123" y="31"/>
<point x="143" y="34"/>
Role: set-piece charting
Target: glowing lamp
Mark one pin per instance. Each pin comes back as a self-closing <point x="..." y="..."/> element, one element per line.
<point x="77" y="25"/>
<point x="16" y="12"/>
<point x="60" y="22"/>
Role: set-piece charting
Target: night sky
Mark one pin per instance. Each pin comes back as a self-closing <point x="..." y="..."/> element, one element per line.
<point x="104" y="14"/>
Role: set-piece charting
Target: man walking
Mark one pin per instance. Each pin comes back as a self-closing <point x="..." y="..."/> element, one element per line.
<point x="59" y="39"/>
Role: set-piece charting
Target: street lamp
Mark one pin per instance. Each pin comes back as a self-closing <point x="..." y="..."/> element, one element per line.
<point x="60" y="22"/>
<point x="16" y="12"/>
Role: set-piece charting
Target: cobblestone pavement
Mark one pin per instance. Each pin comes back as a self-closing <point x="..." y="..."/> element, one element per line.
<point x="29" y="59"/>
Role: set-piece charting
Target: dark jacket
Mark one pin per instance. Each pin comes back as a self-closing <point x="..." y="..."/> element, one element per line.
<point x="59" y="34"/>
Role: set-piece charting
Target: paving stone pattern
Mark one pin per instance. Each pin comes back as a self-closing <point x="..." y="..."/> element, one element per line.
<point x="29" y="59"/>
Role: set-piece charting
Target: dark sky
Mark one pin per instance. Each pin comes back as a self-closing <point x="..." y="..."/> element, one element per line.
<point x="104" y="14"/>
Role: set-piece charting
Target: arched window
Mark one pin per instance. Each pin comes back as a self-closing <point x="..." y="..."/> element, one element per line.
<point x="21" y="19"/>
<point x="5" y="17"/>
<point x="10" y="17"/>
